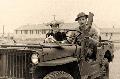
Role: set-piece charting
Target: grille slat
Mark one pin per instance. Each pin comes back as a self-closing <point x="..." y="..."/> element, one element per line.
<point x="6" y="66"/>
<point x="25" y="64"/>
<point x="10" y="63"/>
<point x="13" y="65"/>
<point x="22" y="66"/>
<point x="16" y="64"/>
<point x="19" y="66"/>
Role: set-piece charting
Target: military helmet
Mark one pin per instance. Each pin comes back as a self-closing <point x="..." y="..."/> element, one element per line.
<point x="82" y="14"/>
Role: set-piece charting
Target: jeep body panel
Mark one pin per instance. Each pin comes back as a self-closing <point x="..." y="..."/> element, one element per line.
<point x="57" y="53"/>
<point x="60" y="61"/>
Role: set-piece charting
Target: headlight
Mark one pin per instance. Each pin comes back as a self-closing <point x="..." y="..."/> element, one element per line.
<point x="34" y="58"/>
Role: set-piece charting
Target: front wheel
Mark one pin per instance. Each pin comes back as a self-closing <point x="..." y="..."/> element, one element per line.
<point x="58" y="75"/>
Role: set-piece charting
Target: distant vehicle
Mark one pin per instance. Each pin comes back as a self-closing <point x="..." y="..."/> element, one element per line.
<point x="54" y="61"/>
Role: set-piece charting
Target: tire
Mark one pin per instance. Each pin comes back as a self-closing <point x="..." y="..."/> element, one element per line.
<point x="58" y="75"/>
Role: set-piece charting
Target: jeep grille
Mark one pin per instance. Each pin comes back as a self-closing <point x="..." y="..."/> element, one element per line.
<point x="15" y="64"/>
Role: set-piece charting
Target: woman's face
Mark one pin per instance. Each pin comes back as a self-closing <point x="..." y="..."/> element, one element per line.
<point x="82" y="20"/>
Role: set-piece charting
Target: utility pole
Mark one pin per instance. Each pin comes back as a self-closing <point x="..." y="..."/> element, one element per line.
<point x="54" y="17"/>
<point x="3" y="32"/>
<point x="113" y="26"/>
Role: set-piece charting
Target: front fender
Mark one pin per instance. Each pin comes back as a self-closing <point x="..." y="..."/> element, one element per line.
<point x="56" y="62"/>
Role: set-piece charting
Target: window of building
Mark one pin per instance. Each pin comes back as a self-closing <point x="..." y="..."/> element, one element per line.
<point x="111" y="34"/>
<point x="25" y="31"/>
<point x="31" y="31"/>
<point x="64" y="30"/>
<point x="106" y="34"/>
<point x="16" y="31"/>
<point x="43" y="31"/>
<point x="21" y="31"/>
<point x="37" y="31"/>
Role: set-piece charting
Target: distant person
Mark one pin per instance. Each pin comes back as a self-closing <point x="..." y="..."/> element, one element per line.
<point x="57" y="35"/>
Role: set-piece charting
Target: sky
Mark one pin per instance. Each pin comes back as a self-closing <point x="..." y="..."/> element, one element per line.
<point x="14" y="13"/>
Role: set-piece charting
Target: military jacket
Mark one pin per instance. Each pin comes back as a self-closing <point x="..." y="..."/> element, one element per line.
<point x="85" y="32"/>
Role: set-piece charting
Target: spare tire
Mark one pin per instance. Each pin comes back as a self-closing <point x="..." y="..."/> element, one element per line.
<point x="58" y="75"/>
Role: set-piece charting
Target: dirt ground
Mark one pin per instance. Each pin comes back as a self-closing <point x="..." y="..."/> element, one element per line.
<point x="115" y="65"/>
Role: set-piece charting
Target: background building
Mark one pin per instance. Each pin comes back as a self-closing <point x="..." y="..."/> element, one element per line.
<point x="31" y="31"/>
<point x="110" y="33"/>
<point x="38" y="31"/>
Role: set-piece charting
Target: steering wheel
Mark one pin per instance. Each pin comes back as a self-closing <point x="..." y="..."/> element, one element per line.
<point x="75" y="38"/>
<point x="76" y="41"/>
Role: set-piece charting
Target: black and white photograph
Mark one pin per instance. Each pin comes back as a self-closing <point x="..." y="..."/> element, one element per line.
<point x="59" y="39"/>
